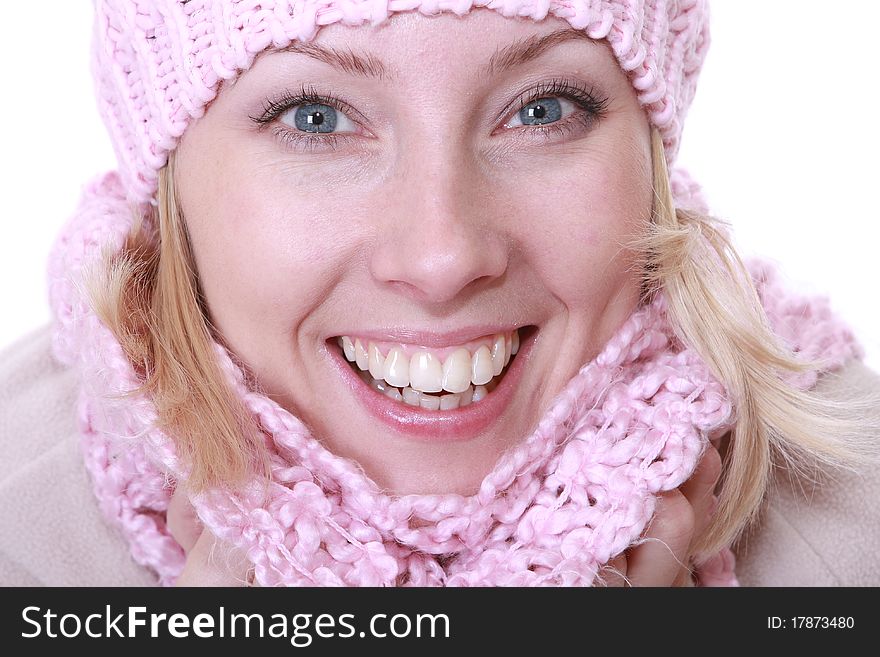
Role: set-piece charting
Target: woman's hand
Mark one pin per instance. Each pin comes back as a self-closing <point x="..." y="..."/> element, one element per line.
<point x="682" y="514"/>
<point x="209" y="561"/>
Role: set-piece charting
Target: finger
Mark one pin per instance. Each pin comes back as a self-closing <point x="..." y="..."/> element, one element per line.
<point x="701" y="484"/>
<point x="213" y="563"/>
<point x="183" y="522"/>
<point x="661" y="559"/>
<point x="699" y="489"/>
<point x="613" y="574"/>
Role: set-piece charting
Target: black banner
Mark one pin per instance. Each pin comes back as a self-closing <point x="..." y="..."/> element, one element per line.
<point x="431" y="621"/>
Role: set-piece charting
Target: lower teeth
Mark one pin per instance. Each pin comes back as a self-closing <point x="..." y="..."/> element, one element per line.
<point x="428" y="400"/>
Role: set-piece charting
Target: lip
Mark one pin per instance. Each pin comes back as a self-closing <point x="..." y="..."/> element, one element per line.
<point x="430" y="339"/>
<point x="458" y="424"/>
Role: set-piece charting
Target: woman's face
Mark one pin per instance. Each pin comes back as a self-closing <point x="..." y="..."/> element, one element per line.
<point x="450" y="186"/>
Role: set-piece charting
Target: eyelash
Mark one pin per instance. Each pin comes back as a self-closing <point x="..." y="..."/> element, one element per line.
<point x="592" y="105"/>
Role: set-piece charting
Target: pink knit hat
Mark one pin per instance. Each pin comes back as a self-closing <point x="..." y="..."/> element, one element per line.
<point x="158" y="63"/>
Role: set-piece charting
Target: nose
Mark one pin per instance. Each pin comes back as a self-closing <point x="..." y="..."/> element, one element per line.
<point x="439" y="237"/>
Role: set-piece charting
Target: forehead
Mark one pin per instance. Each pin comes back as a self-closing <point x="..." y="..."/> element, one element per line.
<point x="482" y="42"/>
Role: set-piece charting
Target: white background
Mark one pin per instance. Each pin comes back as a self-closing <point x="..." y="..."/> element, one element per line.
<point x="782" y="135"/>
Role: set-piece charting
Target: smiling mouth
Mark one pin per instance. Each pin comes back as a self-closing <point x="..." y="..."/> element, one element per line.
<point x="434" y="379"/>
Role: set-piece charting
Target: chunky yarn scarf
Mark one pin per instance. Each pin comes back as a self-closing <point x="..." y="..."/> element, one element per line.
<point x="574" y="493"/>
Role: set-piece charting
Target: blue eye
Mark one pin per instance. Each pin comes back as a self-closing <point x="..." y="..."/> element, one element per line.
<point x="311" y="121"/>
<point x="316" y="118"/>
<point x="541" y="112"/>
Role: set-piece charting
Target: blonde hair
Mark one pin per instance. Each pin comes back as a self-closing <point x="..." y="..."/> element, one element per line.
<point x="148" y="295"/>
<point x="714" y="308"/>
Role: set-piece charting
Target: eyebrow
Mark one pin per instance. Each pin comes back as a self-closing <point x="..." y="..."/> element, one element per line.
<point x="516" y="54"/>
<point x="525" y="50"/>
<point x="365" y="66"/>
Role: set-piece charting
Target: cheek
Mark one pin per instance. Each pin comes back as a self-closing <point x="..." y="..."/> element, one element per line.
<point x="577" y="236"/>
<point x="264" y="254"/>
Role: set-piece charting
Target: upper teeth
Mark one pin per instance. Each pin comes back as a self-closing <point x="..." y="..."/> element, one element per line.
<point x="424" y="370"/>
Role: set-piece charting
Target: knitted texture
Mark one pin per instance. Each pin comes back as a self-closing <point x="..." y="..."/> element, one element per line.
<point x="575" y="492"/>
<point x="158" y="63"/>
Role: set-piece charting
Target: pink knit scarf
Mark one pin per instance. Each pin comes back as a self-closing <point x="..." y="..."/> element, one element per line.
<point x="574" y="493"/>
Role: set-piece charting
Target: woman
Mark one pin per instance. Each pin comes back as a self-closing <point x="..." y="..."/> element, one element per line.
<point x="328" y="331"/>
